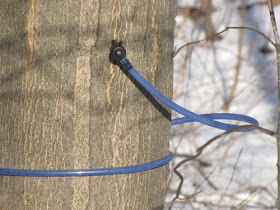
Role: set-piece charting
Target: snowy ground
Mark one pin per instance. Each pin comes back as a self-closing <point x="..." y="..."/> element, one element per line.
<point x="239" y="170"/>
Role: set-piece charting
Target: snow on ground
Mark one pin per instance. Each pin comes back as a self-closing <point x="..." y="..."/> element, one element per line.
<point x="237" y="171"/>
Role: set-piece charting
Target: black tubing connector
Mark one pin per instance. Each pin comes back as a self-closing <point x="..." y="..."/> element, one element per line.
<point x="117" y="52"/>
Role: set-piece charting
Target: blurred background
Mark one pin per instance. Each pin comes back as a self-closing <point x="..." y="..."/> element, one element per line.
<point x="233" y="72"/>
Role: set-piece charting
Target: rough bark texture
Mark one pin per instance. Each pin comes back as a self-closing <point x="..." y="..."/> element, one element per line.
<point x="64" y="106"/>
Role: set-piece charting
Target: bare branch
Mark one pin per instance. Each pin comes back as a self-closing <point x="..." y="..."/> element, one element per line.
<point x="231" y="178"/>
<point x="201" y="149"/>
<point x="254" y="30"/>
<point x="175" y="52"/>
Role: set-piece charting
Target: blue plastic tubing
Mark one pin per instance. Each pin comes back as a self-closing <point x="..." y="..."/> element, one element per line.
<point x="207" y="119"/>
<point x="87" y="172"/>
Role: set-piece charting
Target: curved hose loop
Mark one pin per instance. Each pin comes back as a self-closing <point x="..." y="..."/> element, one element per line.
<point x="118" y="56"/>
<point x="117" y="53"/>
<point x="207" y="119"/>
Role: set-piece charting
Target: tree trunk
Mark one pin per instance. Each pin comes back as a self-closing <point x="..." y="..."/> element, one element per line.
<point x="63" y="105"/>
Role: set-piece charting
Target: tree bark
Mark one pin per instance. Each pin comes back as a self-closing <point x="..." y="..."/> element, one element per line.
<point x="63" y="105"/>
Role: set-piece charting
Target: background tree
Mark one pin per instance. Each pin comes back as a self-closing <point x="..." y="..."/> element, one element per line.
<point x="64" y="106"/>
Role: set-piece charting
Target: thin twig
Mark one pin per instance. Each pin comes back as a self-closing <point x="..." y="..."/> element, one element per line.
<point x="206" y="179"/>
<point x="201" y="148"/>
<point x="175" y="52"/>
<point x="245" y="199"/>
<point x="231" y="178"/>
<point x="254" y="30"/>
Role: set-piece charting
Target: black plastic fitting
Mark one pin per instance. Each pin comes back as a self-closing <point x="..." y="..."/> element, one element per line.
<point x="119" y="53"/>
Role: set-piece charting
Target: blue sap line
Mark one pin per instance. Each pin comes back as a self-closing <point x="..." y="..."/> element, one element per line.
<point x="87" y="172"/>
<point x="207" y="119"/>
